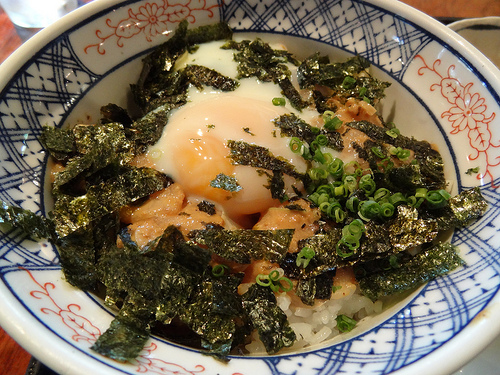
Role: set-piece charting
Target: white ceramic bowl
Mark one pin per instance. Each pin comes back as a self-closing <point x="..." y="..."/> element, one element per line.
<point x="483" y="33"/>
<point x="443" y="91"/>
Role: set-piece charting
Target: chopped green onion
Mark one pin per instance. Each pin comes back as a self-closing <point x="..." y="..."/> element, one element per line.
<point x="333" y="210"/>
<point x="397" y="198"/>
<point x="336" y="288"/>
<point x="381" y="194"/>
<point x="319" y="157"/>
<point x="393" y="261"/>
<point x="472" y="170"/>
<point x="344" y="323"/>
<point x="421" y="193"/>
<point x="367" y="100"/>
<point x="369" y="210"/>
<point x="378" y="152"/>
<point x="304" y="257"/>
<point x="352" y="203"/>
<point x="351" y="183"/>
<point x="339" y="191"/>
<point x="263" y="280"/>
<point x="321" y="140"/>
<point x="332" y="122"/>
<point x="362" y="91"/>
<point x="324" y="206"/>
<point x="219" y="270"/>
<point x="351" y="234"/>
<point x="317" y="174"/>
<point x="356" y="228"/>
<point x="274" y="275"/>
<point x="393" y="133"/>
<point x="352" y="242"/>
<point x="367" y="184"/>
<point x="437" y="198"/>
<point x="328" y="189"/>
<point x="324" y="197"/>
<point x="352" y="164"/>
<point x="295" y="145"/>
<point x="341" y="252"/>
<point x="387" y="209"/>
<point x="339" y="214"/>
<point x="283" y="288"/>
<point x="279" y="101"/>
<point x="404" y="154"/>
<point x="415" y="202"/>
<point x="400" y="153"/>
<point x="336" y="168"/>
<point x="328" y="158"/>
<point x="315" y="130"/>
<point x="385" y="165"/>
<point x="275" y="281"/>
<point x="348" y="82"/>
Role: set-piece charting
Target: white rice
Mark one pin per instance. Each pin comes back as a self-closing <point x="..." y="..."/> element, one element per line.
<point x="317" y="324"/>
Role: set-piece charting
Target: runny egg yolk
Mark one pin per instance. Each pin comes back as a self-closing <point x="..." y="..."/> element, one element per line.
<point x="193" y="150"/>
<point x="199" y="160"/>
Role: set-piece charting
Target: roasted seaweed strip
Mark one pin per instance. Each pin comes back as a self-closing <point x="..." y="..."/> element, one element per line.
<point x="269" y="320"/>
<point x="318" y="70"/>
<point x="423" y="267"/>
<point x="244" y="245"/>
<point x="293" y="126"/>
<point x="35" y="225"/>
<point x="158" y="74"/>
<point x="243" y="153"/>
<point x="71" y="213"/>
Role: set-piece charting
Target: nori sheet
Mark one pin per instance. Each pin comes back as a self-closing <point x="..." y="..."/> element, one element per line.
<point x="71" y="213"/>
<point x="462" y="210"/>
<point x="37" y="226"/>
<point x="244" y="245"/>
<point x="423" y="267"/>
<point x="97" y="148"/>
<point x="269" y="320"/>
<point x="426" y="172"/>
<point x="293" y="126"/>
<point x="258" y="59"/>
<point x="60" y="143"/>
<point x="318" y="70"/>
<point x="243" y="153"/>
<point x="158" y="80"/>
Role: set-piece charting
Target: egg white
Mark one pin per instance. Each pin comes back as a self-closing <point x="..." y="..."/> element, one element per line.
<point x="193" y="148"/>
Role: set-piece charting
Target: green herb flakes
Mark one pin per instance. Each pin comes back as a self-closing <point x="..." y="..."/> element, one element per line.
<point x="345" y="323"/>
<point x="471" y="171"/>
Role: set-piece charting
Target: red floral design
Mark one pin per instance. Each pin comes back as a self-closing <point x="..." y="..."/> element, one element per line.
<point x="150" y="20"/>
<point x="468" y="112"/>
<point x="84" y="330"/>
<point x="145" y="363"/>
